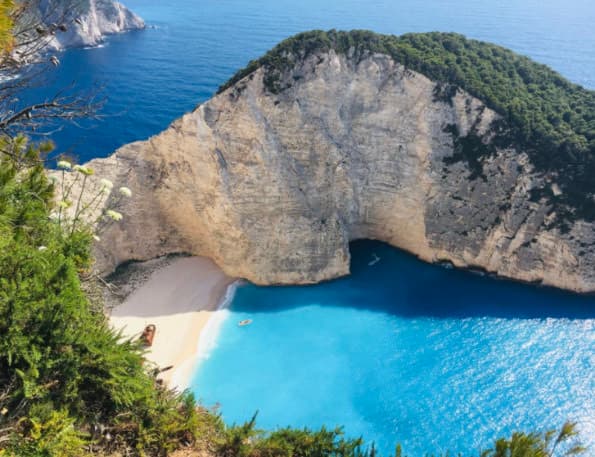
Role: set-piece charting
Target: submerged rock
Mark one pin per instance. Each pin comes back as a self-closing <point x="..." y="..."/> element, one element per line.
<point x="273" y="184"/>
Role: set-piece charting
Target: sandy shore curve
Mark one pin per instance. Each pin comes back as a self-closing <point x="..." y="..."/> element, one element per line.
<point x="179" y="300"/>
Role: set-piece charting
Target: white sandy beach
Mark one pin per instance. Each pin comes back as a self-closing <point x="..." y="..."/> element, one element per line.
<point x="179" y="300"/>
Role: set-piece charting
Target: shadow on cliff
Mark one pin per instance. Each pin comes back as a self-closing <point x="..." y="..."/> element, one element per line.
<point x="388" y="280"/>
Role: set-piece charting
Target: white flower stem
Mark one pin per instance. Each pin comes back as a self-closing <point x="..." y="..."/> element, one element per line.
<point x="62" y="198"/>
<point x="78" y="204"/>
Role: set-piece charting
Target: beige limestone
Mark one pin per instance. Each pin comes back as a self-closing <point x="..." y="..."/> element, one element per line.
<point x="274" y="187"/>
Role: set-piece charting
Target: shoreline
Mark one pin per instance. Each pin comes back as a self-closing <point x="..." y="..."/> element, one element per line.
<point x="180" y="376"/>
<point x="180" y="299"/>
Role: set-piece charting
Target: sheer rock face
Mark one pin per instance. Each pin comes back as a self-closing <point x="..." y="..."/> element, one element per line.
<point x="88" y="21"/>
<point x="274" y="187"/>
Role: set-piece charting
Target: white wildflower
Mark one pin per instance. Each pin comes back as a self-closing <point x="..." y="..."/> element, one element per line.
<point x="42" y="248"/>
<point x="125" y="191"/>
<point x="54" y="179"/>
<point x="106" y="184"/>
<point x="64" y="165"/>
<point x="96" y="238"/>
<point x="84" y="170"/>
<point x="114" y="215"/>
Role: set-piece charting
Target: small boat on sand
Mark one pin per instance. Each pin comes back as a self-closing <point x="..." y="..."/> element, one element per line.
<point x="148" y="335"/>
<point x="245" y="322"/>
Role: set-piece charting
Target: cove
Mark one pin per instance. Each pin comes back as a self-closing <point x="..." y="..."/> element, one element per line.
<point x="401" y="351"/>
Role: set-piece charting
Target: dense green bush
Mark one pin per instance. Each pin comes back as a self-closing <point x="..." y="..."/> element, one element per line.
<point x="247" y="441"/>
<point x="63" y="371"/>
<point x="544" y="115"/>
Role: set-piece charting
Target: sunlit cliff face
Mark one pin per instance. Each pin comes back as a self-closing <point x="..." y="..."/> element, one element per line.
<point x="274" y="186"/>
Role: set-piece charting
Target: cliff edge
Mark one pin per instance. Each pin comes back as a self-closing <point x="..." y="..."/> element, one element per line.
<point x="331" y="138"/>
<point x="87" y="21"/>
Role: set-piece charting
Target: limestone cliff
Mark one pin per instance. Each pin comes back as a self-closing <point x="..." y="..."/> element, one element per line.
<point x="273" y="185"/>
<point x="87" y="21"/>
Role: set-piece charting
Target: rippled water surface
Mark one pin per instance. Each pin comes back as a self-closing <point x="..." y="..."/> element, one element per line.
<point x="402" y="351"/>
<point x="192" y="46"/>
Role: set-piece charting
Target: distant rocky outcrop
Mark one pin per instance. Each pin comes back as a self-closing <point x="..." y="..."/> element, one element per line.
<point x="87" y="21"/>
<point x="274" y="176"/>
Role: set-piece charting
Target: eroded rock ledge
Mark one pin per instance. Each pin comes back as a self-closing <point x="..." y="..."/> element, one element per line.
<point x="273" y="187"/>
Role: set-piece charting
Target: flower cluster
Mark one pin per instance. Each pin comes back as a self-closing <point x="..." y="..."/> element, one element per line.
<point x="114" y="215"/>
<point x="64" y="165"/>
<point x="125" y="191"/>
<point x="106" y="184"/>
<point x="85" y="209"/>
<point x="87" y="171"/>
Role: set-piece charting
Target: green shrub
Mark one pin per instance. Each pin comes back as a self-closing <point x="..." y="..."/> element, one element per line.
<point x="247" y="441"/>
<point x="46" y="432"/>
<point x="56" y="348"/>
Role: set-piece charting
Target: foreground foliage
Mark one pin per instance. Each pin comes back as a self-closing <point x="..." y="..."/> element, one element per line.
<point x="6" y="24"/>
<point x="246" y="441"/>
<point x="66" y="377"/>
<point x="543" y="114"/>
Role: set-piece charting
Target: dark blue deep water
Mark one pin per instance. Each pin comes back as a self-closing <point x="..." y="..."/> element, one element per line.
<point x="192" y="46"/>
<point x="400" y="351"/>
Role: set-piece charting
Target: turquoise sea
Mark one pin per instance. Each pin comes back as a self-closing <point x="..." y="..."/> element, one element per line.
<point x="400" y="351"/>
<point x="437" y="359"/>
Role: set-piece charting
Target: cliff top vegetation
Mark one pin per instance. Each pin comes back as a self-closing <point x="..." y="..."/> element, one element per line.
<point x="543" y="114"/>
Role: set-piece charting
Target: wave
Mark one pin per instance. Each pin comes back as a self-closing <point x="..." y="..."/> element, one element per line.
<point x="210" y="333"/>
<point x="95" y="46"/>
<point x="4" y="78"/>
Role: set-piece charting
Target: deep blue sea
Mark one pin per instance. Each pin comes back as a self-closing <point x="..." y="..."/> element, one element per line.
<point x="191" y="47"/>
<point x="400" y="351"/>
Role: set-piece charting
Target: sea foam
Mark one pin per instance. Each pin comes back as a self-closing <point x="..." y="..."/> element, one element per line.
<point x="207" y="341"/>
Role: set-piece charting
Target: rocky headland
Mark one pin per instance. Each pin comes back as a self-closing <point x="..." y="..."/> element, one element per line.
<point x="333" y="137"/>
<point x="87" y="21"/>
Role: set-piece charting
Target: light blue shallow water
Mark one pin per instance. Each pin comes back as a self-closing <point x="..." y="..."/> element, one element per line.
<point x="399" y="351"/>
<point x="403" y="351"/>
